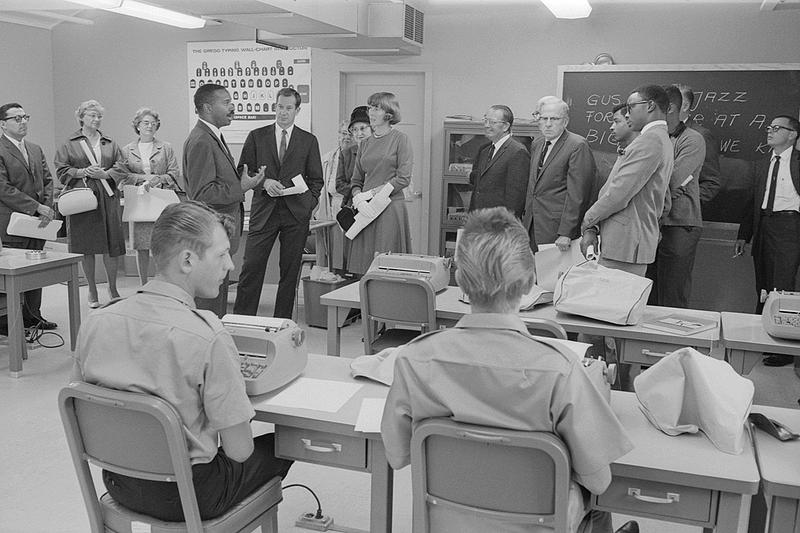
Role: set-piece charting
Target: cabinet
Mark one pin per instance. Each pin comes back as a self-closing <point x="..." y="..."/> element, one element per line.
<point x="462" y="140"/>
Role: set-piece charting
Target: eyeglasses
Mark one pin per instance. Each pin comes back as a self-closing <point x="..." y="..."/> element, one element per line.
<point x="93" y="114"/>
<point x="629" y="106"/>
<point x="146" y="123"/>
<point x="772" y="128"/>
<point x="542" y="118"/>
<point x="19" y="119"/>
<point x="487" y="121"/>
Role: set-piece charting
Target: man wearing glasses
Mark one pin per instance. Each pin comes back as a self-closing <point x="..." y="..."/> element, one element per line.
<point x="626" y="214"/>
<point x="773" y="219"/>
<point x="500" y="174"/>
<point x="561" y="178"/>
<point x="26" y="187"/>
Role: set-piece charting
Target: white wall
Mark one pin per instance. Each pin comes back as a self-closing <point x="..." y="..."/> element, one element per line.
<point x="478" y="57"/>
<point x="26" y="71"/>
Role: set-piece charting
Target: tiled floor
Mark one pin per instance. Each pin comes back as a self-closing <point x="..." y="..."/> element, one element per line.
<point x="39" y="491"/>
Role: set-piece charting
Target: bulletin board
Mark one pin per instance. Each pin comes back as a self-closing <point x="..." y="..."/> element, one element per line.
<point x="734" y="101"/>
<point x="253" y="74"/>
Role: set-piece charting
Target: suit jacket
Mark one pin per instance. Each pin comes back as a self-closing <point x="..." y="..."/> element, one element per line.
<point x="301" y="157"/>
<point x="210" y="171"/>
<point x="748" y="229"/>
<point x="560" y="193"/>
<point x="690" y="151"/>
<point x="709" y="181"/>
<point x="631" y="201"/>
<point x="23" y="187"/>
<point x="503" y="181"/>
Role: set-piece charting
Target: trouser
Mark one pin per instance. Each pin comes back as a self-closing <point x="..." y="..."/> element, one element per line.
<point x="776" y="253"/>
<point x="219" y="485"/>
<point x="31" y="300"/>
<point x="672" y="270"/>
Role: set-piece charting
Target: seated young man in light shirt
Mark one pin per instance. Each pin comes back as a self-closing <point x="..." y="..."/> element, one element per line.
<point x="157" y="342"/>
<point x="489" y="370"/>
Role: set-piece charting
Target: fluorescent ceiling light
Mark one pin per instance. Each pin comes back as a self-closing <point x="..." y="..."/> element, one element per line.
<point x="99" y="4"/>
<point x="568" y="9"/>
<point x="158" y="14"/>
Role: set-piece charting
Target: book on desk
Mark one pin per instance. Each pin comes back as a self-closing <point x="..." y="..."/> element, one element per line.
<point x="680" y="324"/>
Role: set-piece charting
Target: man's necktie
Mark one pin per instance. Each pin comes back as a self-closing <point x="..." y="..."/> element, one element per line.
<point x="489" y="160"/>
<point x="773" y="183"/>
<point x="24" y="153"/>
<point x="282" y="149"/>
<point x="222" y="138"/>
<point x="544" y="154"/>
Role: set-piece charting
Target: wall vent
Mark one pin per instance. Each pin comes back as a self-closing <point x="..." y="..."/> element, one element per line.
<point x="414" y="24"/>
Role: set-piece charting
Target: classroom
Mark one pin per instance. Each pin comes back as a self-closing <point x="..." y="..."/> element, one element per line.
<point x="475" y="54"/>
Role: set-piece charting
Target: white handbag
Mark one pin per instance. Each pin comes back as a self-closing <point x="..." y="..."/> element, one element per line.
<point x="594" y="291"/>
<point x="77" y="200"/>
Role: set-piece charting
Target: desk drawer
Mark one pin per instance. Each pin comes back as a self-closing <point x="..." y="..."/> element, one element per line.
<point x="649" y="353"/>
<point x="659" y="499"/>
<point x="320" y="447"/>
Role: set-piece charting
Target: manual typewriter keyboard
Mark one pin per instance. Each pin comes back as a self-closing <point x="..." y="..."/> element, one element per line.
<point x="251" y="369"/>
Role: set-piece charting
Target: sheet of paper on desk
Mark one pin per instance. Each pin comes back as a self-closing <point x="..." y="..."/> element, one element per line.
<point x="314" y="394"/>
<point x="370" y="415"/>
<point x="551" y="262"/>
<point x="299" y="186"/>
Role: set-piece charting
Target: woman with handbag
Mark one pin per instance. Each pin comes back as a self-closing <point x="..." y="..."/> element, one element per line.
<point x="384" y="157"/>
<point x="91" y="160"/>
<point x="152" y="163"/>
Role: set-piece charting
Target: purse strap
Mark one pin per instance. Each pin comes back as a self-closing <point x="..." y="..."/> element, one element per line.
<point x="93" y="161"/>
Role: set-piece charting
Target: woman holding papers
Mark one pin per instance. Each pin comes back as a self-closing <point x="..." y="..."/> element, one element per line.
<point x="383" y="158"/>
<point x="91" y="159"/>
<point x="151" y="163"/>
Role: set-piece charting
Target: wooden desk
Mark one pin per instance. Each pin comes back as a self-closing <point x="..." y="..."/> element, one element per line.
<point x="334" y="442"/>
<point x="711" y="489"/>
<point x="19" y="274"/>
<point x="745" y="341"/>
<point x="779" y="464"/>
<point x="637" y="344"/>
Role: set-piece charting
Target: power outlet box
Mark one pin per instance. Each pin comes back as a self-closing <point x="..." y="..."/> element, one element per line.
<point x="307" y="521"/>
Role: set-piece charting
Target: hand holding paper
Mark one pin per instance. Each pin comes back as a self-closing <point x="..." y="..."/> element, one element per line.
<point x="299" y="187"/>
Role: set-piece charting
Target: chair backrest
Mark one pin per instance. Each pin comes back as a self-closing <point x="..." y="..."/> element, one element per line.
<point x="396" y="299"/>
<point x="545" y="328"/>
<point x="465" y="474"/>
<point x="134" y="434"/>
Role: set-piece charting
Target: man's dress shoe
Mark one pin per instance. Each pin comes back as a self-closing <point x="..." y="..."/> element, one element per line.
<point x="778" y="360"/>
<point x="629" y="527"/>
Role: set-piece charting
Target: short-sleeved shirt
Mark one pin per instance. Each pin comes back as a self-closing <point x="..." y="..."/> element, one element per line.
<point x="157" y="342"/>
<point x="489" y="370"/>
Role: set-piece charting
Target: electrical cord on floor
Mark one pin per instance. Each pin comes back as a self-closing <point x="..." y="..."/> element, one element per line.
<point x="35" y="333"/>
<point x="318" y="514"/>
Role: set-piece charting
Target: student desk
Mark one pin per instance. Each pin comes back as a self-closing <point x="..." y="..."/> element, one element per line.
<point x="714" y="488"/>
<point x="779" y="464"/>
<point x="745" y="341"/>
<point x="19" y="274"/>
<point x="637" y="345"/>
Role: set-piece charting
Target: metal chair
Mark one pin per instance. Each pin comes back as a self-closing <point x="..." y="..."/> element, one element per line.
<point x="545" y="328"/>
<point x="141" y="435"/>
<point x="466" y="477"/>
<point x="395" y="300"/>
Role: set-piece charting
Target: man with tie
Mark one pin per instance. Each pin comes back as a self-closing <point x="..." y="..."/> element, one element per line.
<point x="500" y="174"/>
<point x="211" y="174"/>
<point x="287" y="156"/>
<point x="773" y="219"/>
<point x="25" y="187"/>
<point x="562" y="175"/>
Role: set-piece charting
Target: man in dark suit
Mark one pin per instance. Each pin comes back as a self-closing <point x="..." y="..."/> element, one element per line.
<point x="709" y="182"/>
<point x="25" y="187"/>
<point x="283" y="151"/>
<point x="562" y="175"/>
<point x="210" y="172"/>
<point x="773" y="218"/>
<point x="500" y="174"/>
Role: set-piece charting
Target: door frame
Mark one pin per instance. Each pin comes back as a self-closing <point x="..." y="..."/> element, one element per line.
<point x="425" y="164"/>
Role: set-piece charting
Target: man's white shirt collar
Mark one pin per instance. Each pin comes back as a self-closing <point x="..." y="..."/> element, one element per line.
<point x="501" y="141"/>
<point x="654" y="124"/>
<point x="785" y="155"/>
<point x="214" y="129"/>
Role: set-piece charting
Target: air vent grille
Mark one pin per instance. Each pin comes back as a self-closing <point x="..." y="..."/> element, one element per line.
<point x="414" y="24"/>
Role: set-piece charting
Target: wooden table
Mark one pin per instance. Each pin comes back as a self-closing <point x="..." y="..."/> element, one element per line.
<point x="637" y="344"/>
<point x="746" y="341"/>
<point x="779" y="464"/>
<point x="682" y="479"/>
<point x="19" y="274"/>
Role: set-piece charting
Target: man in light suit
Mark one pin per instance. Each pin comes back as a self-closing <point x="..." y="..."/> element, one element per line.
<point x="772" y="220"/>
<point x="627" y="211"/>
<point x="283" y="151"/>
<point x="25" y="187"/>
<point x="500" y="174"/>
<point x="210" y="172"/>
<point x="682" y="226"/>
<point x="561" y="178"/>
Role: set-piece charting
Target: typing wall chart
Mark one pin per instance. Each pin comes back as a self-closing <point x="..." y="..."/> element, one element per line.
<point x="253" y="74"/>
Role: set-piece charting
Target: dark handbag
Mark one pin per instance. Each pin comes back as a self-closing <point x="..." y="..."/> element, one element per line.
<point x="346" y="217"/>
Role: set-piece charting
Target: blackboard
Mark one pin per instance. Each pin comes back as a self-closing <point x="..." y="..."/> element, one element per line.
<point x="735" y="102"/>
